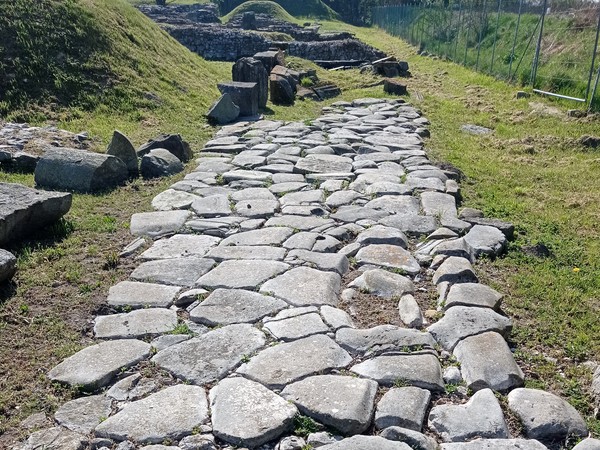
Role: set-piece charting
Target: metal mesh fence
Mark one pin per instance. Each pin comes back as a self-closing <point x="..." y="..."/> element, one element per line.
<point x="551" y="47"/>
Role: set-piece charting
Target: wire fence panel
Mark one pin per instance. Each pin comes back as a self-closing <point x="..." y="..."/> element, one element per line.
<point x="548" y="45"/>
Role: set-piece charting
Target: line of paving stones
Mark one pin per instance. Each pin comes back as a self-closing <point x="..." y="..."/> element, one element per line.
<point x="250" y="252"/>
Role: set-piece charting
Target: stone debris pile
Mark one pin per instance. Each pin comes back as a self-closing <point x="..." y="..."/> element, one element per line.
<point x="248" y="304"/>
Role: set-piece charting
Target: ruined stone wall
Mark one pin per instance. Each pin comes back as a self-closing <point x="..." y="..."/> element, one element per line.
<point x="347" y="49"/>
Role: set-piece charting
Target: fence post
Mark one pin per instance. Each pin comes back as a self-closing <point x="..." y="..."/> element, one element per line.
<point x="495" y="36"/>
<point x="458" y="29"/>
<point x="512" y="52"/>
<point x="480" y="36"/>
<point x="467" y="36"/>
<point x="587" y="91"/>
<point x="536" y="59"/>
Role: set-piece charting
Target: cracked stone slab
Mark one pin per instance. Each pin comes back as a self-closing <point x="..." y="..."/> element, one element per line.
<point x="336" y="318"/>
<point x="480" y="417"/>
<point x="333" y="262"/>
<point x="361" y="442"/>
<point x="159" y="223"/>
<point x="383" y="283"/>
<point x="180" y="246"/>
<point x="412" y="225"/>
<point x="460" y="322"/>
<point x="264" y="236"/>
<point x="473" y="294"/>
<point x="545" y="416"/>
<point x="344" y="403"/>
<point x="487" y="362"/>
<point x="382" y="338"/>
<point x="486" y="240"/>
<point x="315" y="242"/>
<point x="211" y="356"/>
<point x="496" y="444"/>
<point x="402" y="407"/>
<point x="138" y="323"/>
<point x="175" y="271"/>
<point x="247" y="414"/>
<point x="172" y="413"/>
<point x="264" y="252"/>
<point x="55" y="438"/>
<point x="95" y="366"/>
<point x="277" y="366"/>
<point x="82" y="415"/>
<point x="229" y="306"/>
<point x="421" y="370"/>
<point x="241" y="274"/>
<point x="297" y="327"/>
<point x="304" y="286"/>
<point x="390" y="256"/>
<point x="401" y="205"/>
<point x="141" y="295"/>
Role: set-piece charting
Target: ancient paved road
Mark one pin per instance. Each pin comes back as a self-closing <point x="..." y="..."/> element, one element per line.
<point x="253" y="254"/>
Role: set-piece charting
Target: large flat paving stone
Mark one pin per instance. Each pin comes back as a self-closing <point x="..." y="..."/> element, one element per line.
<point x="402" y="407"/>
<point x="361" y="442"/>
<point x="95" y="366"/>
<point x="159" y="223"/>
<point x="415" y="439"/>
<point x="140" y="295"/>
<point x="138" y="323"/>
<point x="211" y="356"/>
<point x="460" y="322"/>
<point x="84" y="414"/>
<point x="486" y="240"/>
<point x="175" y="271"/>
<point x="382" y="338"/>
<point x="332" y="262"/>
<point x="487" y="362"/>
<point x="229" y="306"/>
<point x="455" y="270"/>
<point x="390" y="256"/>
<point x="223" y="253"/>
<point x="383" y="283"/>
<point x="302" y="223"/>
<point x="421" y="370"/>
<point x="344" y="403"/>
<point x="412" y="225"/>
<point x="247" y="414"/>
<point x="180" y="246"/>
<point x="264" y="236"/>
<point x="480" y="417"/>
<point x="55" y="438"/>
<point x="296" y="327"/>
<point x="277" y="366"/>
<point x="472" y="294"/>
<point x="496" y="444"/>
<point x="545" y="416"/>
<point x="323" y="164"/>
<point x="172" y="413"/>
<point x="304" y="286"/>
<point x="241" y="274"/>
<point x="172" y="199"/>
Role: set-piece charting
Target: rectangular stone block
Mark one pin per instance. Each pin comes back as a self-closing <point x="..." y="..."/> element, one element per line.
<point x="243" y="94"/>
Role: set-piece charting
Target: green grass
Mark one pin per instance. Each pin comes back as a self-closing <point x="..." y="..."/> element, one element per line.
<point x="272" y="9"/>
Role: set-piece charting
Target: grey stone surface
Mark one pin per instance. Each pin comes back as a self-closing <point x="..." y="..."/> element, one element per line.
<point x="157" y="224"/>
<point x="380" y="234"/>
<point x="480" y="417"/>
<point x="245" y="413"/>
<point x="212" y="206"/>
<point x="223" y="110"/>
<point x="263" y="236"/>
<point x="95" y="366"/>
<point x="173" y="199"/>
<point x="23" y="210"/>
<point x="486" y="240"/>
<point x="487" y="362"/>
<point x="383" y="283"/>
<point x="588" y="444"/>
<point x="8" y="265"/>
<point x="56" y="438"/>
<point x="472" y="294"/>
<point x="211" y="356"/>
<point x="277" y="366"/>
<point x="78" y="170"/>
<point x="229" y="306"/>
<point x="122" y="148"/>
<point x="171" y="142"/>
<point x="180" y="246"/>
<point x="496" y="444"/>
<point x="140" y="295"/>
<point x="139" y="323"/>
<point x="421" y="370"/>
<point x="344" y="403"/>
<point x="412" y="225"/>
<point x="545" y="416"/>
<point x="336" y="318"/>
<point x="361" y="442"/>
<point x="389" y="256"/>
<point x="305" y="286"/>
<point x="296" y="327"/>
<point x="415" y="439"/>
<point x="170" y="414"/>
<point x="382" y="338"/>
<point x="333" y="262"/>
<point x="175" y="271"/>
<point x="241" y="274"/>
<point x="402" y="407"/>
<point x="410" y="312"/>
<point x="460" y="322"/>
<point x="323" y="164"/>
<point x="160" y="162"/>
<point x="264" y="252"/>
<point x="455" y="270"/>
<point x="84" y="414"/>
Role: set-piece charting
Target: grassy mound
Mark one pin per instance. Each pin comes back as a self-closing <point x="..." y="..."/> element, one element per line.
<point x="280" y="9"/>
<point x="61" y="59"/>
